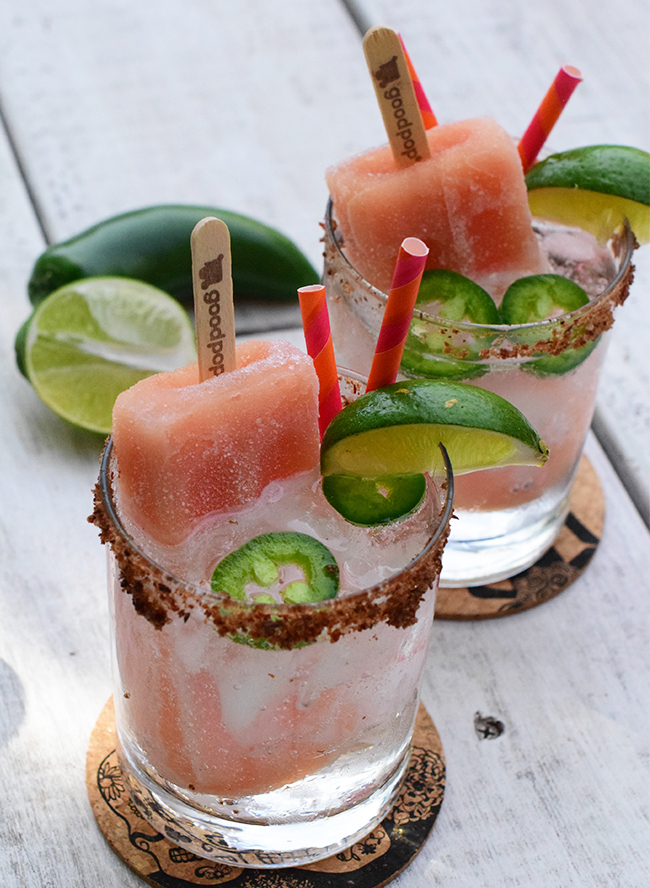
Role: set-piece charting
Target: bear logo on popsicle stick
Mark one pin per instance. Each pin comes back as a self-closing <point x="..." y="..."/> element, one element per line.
<point x="212" y="272"/>
<point x="387" y="73"/>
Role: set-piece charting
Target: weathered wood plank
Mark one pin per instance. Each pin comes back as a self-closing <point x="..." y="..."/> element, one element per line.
<point x="568" y="680"/>
<point x="103" y="101"/>
<point x="54" y="655"/>
<point x="238" y="105"/>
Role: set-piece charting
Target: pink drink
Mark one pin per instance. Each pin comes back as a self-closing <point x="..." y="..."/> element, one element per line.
<point x="289" y="748"/>
<point x="549" y="370"/>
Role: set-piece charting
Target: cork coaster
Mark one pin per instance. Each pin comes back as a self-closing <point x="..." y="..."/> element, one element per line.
<point x="560" y="565"/>
<point x="370" y="863"/>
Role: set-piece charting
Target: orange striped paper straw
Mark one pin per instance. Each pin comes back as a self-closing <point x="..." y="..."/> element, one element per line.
<point x="318" y="338"/>
<point x="547" y="114"/>
<point x="428" y="117"/>
<point x="399" y="311"/>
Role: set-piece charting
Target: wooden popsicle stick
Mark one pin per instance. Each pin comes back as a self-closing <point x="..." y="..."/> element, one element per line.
<point x="396" y="96"/>
<point x="213" y="299"/>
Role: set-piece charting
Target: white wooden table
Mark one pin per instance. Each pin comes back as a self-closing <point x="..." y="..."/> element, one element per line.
<point x="109" y="106"/>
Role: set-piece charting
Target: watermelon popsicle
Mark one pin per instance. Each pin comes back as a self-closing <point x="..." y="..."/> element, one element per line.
<point x="263" y="733"/>
<point x="467" y="202"/>
<point x="188" y="449"/>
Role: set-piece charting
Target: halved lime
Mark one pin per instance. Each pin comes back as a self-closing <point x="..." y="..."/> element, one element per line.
<point x="594" y="188"/>
<point x="19" y="346"/>
<point x="92" y="339"/>
<point x="396" y="431"/>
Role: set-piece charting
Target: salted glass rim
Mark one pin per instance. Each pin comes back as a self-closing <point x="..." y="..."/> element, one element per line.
<point x="627" y="238"/>
<point x="105" y="486"/>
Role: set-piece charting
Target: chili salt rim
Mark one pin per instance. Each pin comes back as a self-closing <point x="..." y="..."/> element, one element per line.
<point x="159" y="596"/>
<point x="596" y="317"/>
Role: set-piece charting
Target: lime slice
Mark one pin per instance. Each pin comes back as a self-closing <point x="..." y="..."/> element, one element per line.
<point x="594" y="188"/>
<point x="90" y="340"/>
<point x="396" y="431"/>
<point x="372" y="501"/>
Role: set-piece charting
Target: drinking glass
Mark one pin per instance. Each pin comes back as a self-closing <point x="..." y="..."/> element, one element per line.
<point x="508" y="517"/>
<point x="272" y="735"/>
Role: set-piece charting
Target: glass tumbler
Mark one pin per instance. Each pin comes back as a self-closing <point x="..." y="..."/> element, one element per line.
<point x="508" y="517"/>
<point x="271" y="735"/>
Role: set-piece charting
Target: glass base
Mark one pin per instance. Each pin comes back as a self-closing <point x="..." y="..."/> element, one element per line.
<point x="256" y="844"/>
<point x="470" y="559"/>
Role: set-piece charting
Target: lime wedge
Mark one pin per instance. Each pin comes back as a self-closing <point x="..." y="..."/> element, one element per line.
<point x="92" y="339"/>
<point x="396" y="431"/>
<point x="594" y="188"/>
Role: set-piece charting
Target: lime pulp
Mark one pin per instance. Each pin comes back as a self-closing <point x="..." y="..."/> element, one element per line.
<point x="90" y="340"/>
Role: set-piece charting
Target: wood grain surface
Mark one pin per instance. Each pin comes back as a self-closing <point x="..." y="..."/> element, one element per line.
<point x="109" y="106"/>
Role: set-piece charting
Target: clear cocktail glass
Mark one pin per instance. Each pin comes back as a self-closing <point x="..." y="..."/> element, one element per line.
<point x="272" y="735"/>
<point x="508" y="517"/>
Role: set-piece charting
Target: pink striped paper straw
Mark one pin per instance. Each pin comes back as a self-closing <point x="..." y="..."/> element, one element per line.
<point x="399" y="311"/>
<point x="428" y="117"/>
<point x="318" y="338"/>
<point x="547" y="114"/>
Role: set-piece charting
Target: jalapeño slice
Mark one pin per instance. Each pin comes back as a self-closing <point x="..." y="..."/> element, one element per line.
<point x="458" y="297"/>
<point x="536" y="297"/>
<point x="533" y="298"/>
<point x="257" y="563"/>
<point x="450" y="295"/>
<point x="373" y="501"/>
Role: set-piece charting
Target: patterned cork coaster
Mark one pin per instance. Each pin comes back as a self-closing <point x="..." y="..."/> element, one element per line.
<point x="560" y="566"/>
<point x="371" y="863"/>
